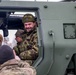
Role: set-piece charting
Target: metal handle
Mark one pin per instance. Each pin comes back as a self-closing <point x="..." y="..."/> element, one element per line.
<point x="51" y="33"/>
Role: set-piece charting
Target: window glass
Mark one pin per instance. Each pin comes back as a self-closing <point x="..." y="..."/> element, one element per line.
<point x="20" y="14"/>
<point x="11" y="37"/>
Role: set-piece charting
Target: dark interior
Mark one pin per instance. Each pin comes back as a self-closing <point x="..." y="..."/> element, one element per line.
<point x="12" y="22"/>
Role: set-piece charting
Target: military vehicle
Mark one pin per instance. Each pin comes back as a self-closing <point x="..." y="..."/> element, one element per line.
<point x="56" y="33"/>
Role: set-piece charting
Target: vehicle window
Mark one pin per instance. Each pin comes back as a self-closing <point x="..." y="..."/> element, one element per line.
<point x="13" y="21"/>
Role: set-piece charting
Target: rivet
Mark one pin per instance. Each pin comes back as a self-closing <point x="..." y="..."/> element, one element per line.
<point x="67" y="56"/>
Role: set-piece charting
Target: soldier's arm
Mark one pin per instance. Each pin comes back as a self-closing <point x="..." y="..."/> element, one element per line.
<point x="16" y="50"/>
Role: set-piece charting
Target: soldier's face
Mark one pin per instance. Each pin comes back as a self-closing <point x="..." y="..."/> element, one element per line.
<point x="29" y="26"/>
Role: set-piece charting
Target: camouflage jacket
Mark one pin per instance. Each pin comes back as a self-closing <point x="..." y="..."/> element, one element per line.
<point x="19" y="48"/>
<point x="28" y="49"/>
<point x="15" y="67"/>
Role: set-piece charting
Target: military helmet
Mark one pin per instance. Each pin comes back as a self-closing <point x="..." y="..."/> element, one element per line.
<point x="1" y="38"/>
<point x="19" y="32"/>
<point x="28" y="18"/>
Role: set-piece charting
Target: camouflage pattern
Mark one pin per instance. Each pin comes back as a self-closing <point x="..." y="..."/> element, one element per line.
<point x="28" y="49"/>
<point x="28" y="18"/>
<point x="15" y="67"/>
<point x="21" y="47"/>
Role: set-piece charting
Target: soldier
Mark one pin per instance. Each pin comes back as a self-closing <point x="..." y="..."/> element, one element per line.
<point x="20" y="44"/>
<point x="30" y="38"/>
<point x="1" y="39"/>
<point x="10" y="66"/>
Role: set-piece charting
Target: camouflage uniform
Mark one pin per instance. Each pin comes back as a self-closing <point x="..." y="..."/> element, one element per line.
<point x="20" y="48"/>
<point x="28" y="49"/>
<point x="20" y="45"/>
<point x="15" y="67"/>
<point x="30" y="40"/>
